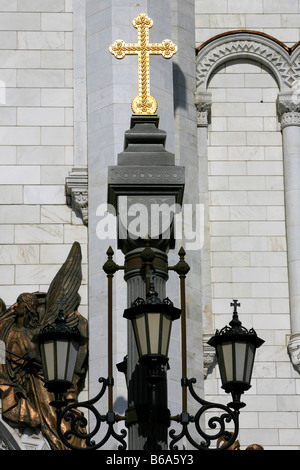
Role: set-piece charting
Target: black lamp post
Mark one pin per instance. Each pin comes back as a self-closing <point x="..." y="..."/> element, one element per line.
<point x="152" y="323"/>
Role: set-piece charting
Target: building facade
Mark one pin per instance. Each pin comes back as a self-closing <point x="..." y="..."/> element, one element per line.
<point x="229" y="102"/>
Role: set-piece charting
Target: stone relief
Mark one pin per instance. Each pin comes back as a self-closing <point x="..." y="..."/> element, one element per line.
<point x="77" y="192"/>
<point x="288" y="107"/>
<point x="294" y="351"/>
<point x="25" y="400"/>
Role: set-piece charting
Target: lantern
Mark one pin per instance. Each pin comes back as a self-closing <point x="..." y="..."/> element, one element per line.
<point x="235" y="349"/>
<point x="59" y="346"/>
<point x="152" y="323"/>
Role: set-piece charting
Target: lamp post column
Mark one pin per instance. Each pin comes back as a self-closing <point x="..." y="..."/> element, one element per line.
<point x="146" y="189"/>
<point x="289" y="112"/>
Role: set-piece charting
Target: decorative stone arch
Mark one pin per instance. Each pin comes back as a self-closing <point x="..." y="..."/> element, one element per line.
<point x="284" y="64"/>
<point x="281" y="60"/>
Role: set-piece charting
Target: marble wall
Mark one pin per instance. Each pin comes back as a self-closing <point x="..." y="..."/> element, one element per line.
<point x="247" y="179"/>
<point x="36" y="145"/>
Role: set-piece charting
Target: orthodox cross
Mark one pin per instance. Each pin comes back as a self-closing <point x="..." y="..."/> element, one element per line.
<point x="61" y="304"/>
<point x="235" y="303"/>
<point x="143" y="103"/>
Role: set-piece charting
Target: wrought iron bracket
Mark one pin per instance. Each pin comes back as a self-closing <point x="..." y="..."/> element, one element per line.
<point x="77" y="422"/>
<point x="217" y="423"/>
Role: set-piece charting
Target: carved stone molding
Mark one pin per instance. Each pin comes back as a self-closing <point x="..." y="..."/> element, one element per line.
<point x="282" y="62"/>
<point x="203" y="101"/>
<point x="146" y="175"/>
<point x="290" y="119"/>
<point x="294" y="351"/>
<point x="77" y="192"/>
<point x="288" y="106"/>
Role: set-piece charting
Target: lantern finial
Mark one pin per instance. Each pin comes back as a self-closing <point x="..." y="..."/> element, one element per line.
<point x="235" y="322"/>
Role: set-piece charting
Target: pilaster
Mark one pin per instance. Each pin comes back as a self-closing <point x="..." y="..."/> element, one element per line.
<point x="203" y="103"/>
<point x="289" y="111"/>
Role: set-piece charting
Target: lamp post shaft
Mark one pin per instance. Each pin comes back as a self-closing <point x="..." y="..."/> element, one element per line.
<point x="182" y="268"/>
<point x="110" y="268"/>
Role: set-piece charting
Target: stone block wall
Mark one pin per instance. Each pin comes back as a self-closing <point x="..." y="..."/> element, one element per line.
<point x="247" y="216"/>
<point x="36" y="145"/>
<point x="278" y="18"/>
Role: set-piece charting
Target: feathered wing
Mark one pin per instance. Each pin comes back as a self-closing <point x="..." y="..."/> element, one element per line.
<point x="65" y="286"/>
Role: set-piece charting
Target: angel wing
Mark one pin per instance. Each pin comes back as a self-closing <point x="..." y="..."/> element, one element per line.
<point x="65" y="286"/>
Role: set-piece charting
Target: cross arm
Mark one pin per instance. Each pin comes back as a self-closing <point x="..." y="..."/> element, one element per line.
<point x="166" y="48"/>
<point x="120" y="48"/>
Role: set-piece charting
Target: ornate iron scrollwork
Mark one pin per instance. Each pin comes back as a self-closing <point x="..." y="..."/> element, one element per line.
<point x="77" y="422"/>
<point x="216" y="422"/>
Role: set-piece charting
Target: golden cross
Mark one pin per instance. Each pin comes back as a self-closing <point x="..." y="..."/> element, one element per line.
<point x="143" y="103"/>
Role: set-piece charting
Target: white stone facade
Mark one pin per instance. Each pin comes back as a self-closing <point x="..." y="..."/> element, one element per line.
<point x="251" y="194"/>
<point x="36" y="145"/>
<point x="40" y="113"/>
<point x="65" y="104"/>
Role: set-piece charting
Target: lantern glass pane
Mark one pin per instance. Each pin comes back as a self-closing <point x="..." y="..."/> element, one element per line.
<point x="166" y="332"/>
<point x="154" y="330"/>
<point x="250" y="361"/>
<point x="72" y="360"/>
<point x="62" y="348"/>
<point x="240" y="357"/>
<point x="140" y="334"/>
<point x="228" y="360"/>
<point x="48" y="357"/>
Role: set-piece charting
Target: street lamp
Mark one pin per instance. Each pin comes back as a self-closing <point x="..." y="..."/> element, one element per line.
<point x="235" y="349"/>
<point x="59" y="346"/>
<point x="152" y="322"/>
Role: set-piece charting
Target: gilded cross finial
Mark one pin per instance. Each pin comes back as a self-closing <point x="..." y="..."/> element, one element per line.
<point x="143" y="103"/>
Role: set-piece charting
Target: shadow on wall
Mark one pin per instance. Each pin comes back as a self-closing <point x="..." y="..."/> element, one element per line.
<point x="179" y="84"/>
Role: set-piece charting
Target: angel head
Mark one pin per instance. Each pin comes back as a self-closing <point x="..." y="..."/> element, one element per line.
<point x="26" y="306"/>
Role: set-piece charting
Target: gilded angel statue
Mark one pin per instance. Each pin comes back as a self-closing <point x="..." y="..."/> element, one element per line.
<point x="25" y="400"/>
